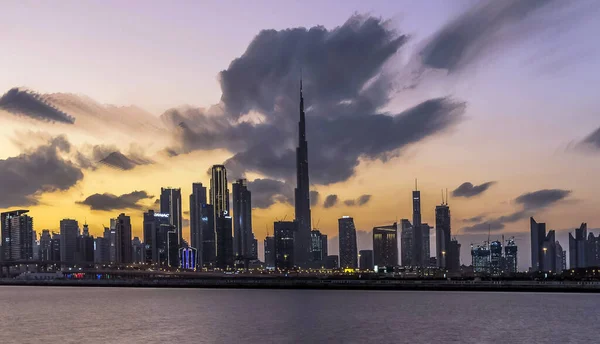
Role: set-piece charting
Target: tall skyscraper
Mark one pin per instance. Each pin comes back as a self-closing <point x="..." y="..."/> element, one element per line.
<point x="496" y="259"/>
<point x="242" y="220"/>
<point x="560" y="259"/>
<point x="347" y="243"/>
<point x="45" y="250"/>
<point x="270" y="251"/>
<point x="224" y="241"/>
<point x="17" y="235"/>
<point x="365" y="258"/>
<point x="318" y="246"/>
<point x="442" y="234"/>
<point x="284" y="233"/>
<point x="123" y="239"/>
<point x="453" y="256"/>
<point x="208" y="252"/>
<point x="480" y="258"/>
<point x="549" y="252"/>
<point x="425" y="244"/>
<point x="406" y="243"/>
<point x="69" y="231"/>
<point x="55" y="247"/>
<point x="219" y="192"/>
<point x="197" y="200"/>
<point x="156" y="228"/>
<point x="510" y="256"/>
<point x="302" y="193"/>
<point x="170" y="203"/>
<point x="538" y="234"/>
<point x="418" y="258"/>
<point x="385" y="246"/>
<point x="578" y="248"/>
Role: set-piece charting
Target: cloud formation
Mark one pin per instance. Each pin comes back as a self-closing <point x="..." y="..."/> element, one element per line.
<point x="33" y="105"/>
<point x="108" y="201"/>
<point x="314" y="198"/>
<point x="530" y="203"/>
<point x="330" y="201"/>
<point x="591" y="142"/>
<point x="467" y="189"/>
<point x="43" y="169"/>
<point x="266" y="192"/>
<point x="360" y="201"/>
<point x="473" y="33"/>
<point x="258" y="113"/>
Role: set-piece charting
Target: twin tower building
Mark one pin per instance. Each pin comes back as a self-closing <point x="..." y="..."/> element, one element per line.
<point x="221" y="235"/>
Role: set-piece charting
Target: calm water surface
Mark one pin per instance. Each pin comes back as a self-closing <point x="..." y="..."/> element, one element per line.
<point x="122" y="315"/>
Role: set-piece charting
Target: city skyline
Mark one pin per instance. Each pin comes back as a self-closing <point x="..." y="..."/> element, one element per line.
<point x="118" y="164"/>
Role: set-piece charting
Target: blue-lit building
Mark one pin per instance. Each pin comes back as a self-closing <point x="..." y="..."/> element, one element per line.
<point x="480" y="256"/>
<point x="187" y="258"/>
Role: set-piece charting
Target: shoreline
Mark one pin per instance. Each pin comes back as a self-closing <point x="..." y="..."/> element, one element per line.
<point x="415" y="285"/>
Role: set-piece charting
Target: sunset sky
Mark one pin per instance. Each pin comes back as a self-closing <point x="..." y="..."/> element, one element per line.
<point x="503" y="95"/>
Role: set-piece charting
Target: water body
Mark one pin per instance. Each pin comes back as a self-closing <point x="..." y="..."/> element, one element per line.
<point x="127" y="315"/>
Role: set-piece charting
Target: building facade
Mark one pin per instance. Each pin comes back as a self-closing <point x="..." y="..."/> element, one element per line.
<point x="385" y="245"/>
<point x="347" y="243"/>
<point x="443" y="235"/>
<point x="170" y="203"/>
<point x="197" y="200"/>
<point x="284" y="234"/>
<point x="242" y="220"/>
<point x="17" y="235"/>
<point x="69" y="231"/>
<point x="366" y="262"/>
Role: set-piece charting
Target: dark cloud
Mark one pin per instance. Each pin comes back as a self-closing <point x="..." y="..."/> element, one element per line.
<point x="344" y="120"/>
<point x="364" y="199"/>
<point x="467" y="189"/>
<point x="530" y="203"/>
<point x="314" y="198"/>
<point x="112" y="157"/>
<point x="34" y="172"/>
<point x="330" y="201"/>
<point x="266" y="192"/>
<point x="360" y="201"/>
<point x="542" y="198"/>
<point x="478" y="218"/>
<point x="31" y="104"/>
<point x="470" y="35"/>
<point x="591" y="142"/>
<point x="107" y="201"/>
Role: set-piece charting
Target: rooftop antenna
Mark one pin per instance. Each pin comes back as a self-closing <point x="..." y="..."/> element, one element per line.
<point x="443" y="197"/>
<point x="489" y="231"/>
<point x="416" y="188"/>
<point x="318" y="221"/>
<point x="446" y="196"/>
<point x="284" y="218"/>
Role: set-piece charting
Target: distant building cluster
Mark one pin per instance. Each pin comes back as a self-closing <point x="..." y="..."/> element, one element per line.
<point x="221" y="237"/>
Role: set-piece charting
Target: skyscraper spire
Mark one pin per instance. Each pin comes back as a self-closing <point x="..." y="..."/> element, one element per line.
<point x="302" y="200"/>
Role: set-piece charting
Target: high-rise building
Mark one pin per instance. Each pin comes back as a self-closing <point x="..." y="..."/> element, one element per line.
<point x="406" y="243"/>
<point x="69" y="231"/>
<point x="17" y="235"/>
<point x="55" y="248"/>
<point x="347" y="243"/>
<point x="480" y="258"/>
<point x="578" y="248"/>
<point x="242" y="220"/>
<point x="153" y="243"/>
<point x="254" y="248"/>
<point x="496" y="259"/>
<point x="35" y="246"/>
<point x="170" y="203"/>
<point x="219" y="192"/>
<point x="138" y="252"/>
<point x="442" y="234"/>
<point x="418" y="258"/>
<point x="538" y="234"/>
<point x="173" y="260"/>
<point x="197" y="200"/>
<point x="593" y="250"/>
<point x="270" y="251"/>
<point x="84" y="251"/>
<point x="510" y="257"/>
<point x="208" y="252"/>
<point x="45" y="249"/>
<point x="548" y="260"/>
<point x="224" y="241"/>
<point x="385" y="245"/>
<point x="366" y="262"/>
<point x="425" y="245"/>
<point x="560" y="258"/>
<point x="123" y="239"/>
<point x="102" y="251"/>
<point x="318" y="246"/>
<point x="302" y="193"/>
<point x="284" y="234"/>
<point x="453" y="256"/>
